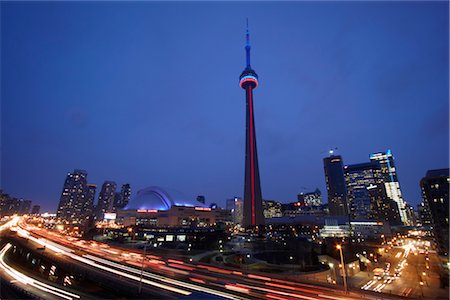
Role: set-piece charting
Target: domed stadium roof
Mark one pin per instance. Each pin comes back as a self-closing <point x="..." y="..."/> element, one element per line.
<point x="155" y="197"/>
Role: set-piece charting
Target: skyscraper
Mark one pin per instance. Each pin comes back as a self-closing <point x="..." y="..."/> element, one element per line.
<point x="73" y="197"/>
<point x="360" y="178"/>
<point x="25" y="206"/>
<point x="389" y="173"/>
<point x="253" y="211"/>
<point x="88" y="207"/>
<point x="435" y="186"/>
<point x="366" y="194"/>
<point x="106" y="199"/>
<point x="334" y="178"/>
<point x="125" y="194"/>
<point x="122" y="198"/>
<point x="201" y="199"/>
<point x="35" y="210"/>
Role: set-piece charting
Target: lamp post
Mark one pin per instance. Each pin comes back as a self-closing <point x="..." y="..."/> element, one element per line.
<point x="142" y="268"/>
<point x="339" y="247"/>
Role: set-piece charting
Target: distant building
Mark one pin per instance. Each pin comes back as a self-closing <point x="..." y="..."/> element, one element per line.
<point x="301" y="199"/>
<point x="392" y="186"/>
<point x="272" y="209"/>
<point x="117" y="201"/>
<point x="201" y="199"/>
<point x="11" y="205"/>
<point x="236" y="207"/>
<point x="35" y="210"/>
<point x="88" y="207"/>
<point x="411" y="215"/>
<point x="334" y="178"/>
<point x="313" y="198"/>
<point x="73" y="197"/>
<point x="435" y="186"/>
<point x="106" y="199"/>
<point x="125" y="193"/>
<point x="424" y="213"/>
<point x="25" y="207"/>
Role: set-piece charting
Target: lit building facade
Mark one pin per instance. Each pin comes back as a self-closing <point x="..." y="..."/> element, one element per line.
<point x="106" y="199"/>
<point x="123" y="198"/>
<point x="335" y="182"/>
<point x="272" y="209"/>
<point x="253" y="210"/>
<point x="392" y="186"/>
<point x="313" y="198"/>
<point x="236" y="207"/>
<point x="435" y="186"/>
<point x="73" y="198"/>
<point x="424" y="213"/>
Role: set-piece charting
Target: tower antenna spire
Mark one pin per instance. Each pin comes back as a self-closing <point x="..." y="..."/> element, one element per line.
<point x="247" y="46"/>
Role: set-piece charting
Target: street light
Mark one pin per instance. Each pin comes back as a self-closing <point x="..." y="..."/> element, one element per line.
<point x="142" y="268"/>
<point x="339" y="247"/>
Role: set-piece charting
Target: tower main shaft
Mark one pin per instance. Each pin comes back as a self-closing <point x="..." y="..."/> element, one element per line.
<point x="253" y="211"/>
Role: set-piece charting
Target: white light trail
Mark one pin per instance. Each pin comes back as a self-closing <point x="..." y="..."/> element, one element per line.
<point x="30" y="281"/>
<point x="162" y="278"/>
<point x="89" y="259"/>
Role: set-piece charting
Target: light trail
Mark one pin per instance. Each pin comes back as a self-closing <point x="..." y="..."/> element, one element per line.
<point x="30" y="281"/>
<point x="162" y="278"/>
<point x="10" y="223"/>
<point x="90" y="260"/>
<point x="277" y="292"/>
<point x="69" y="252"/>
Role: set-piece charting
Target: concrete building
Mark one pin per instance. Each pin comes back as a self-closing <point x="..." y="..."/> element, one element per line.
<point x="435" y="192"/>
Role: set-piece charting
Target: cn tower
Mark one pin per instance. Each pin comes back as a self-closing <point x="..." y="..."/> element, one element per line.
<point x="253" y="211"/>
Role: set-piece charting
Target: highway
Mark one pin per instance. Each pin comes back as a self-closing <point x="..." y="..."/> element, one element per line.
<point x="176" y="277"/>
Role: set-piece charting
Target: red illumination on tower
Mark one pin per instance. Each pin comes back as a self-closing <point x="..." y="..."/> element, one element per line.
<point x="253" y="211"/>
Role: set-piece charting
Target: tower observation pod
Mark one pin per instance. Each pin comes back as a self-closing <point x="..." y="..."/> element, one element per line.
<point x="253" y="210"/>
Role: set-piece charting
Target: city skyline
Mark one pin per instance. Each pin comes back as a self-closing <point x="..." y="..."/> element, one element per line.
<point x="155" y="115"/>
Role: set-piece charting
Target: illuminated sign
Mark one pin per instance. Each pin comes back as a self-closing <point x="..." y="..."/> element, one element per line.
<point x="147" y="210"/>
<point x="110" y="216"/>
<point x="203" y="208"/>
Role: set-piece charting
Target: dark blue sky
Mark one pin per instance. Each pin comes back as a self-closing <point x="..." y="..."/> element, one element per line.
<point x="148" y="93"/>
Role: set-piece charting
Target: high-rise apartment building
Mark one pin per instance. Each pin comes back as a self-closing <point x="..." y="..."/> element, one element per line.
<point x="335" y="182"/>
<point x="106" y="199"/>
<point x="35" y="209"/>
<point x="390" y="178"/>
<point x="88" y="207"/>
<point x="125" y="194"/>
<point x="73" y="197"/>
<point x="435" y="186"/>
<point x="25" y="206"/>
